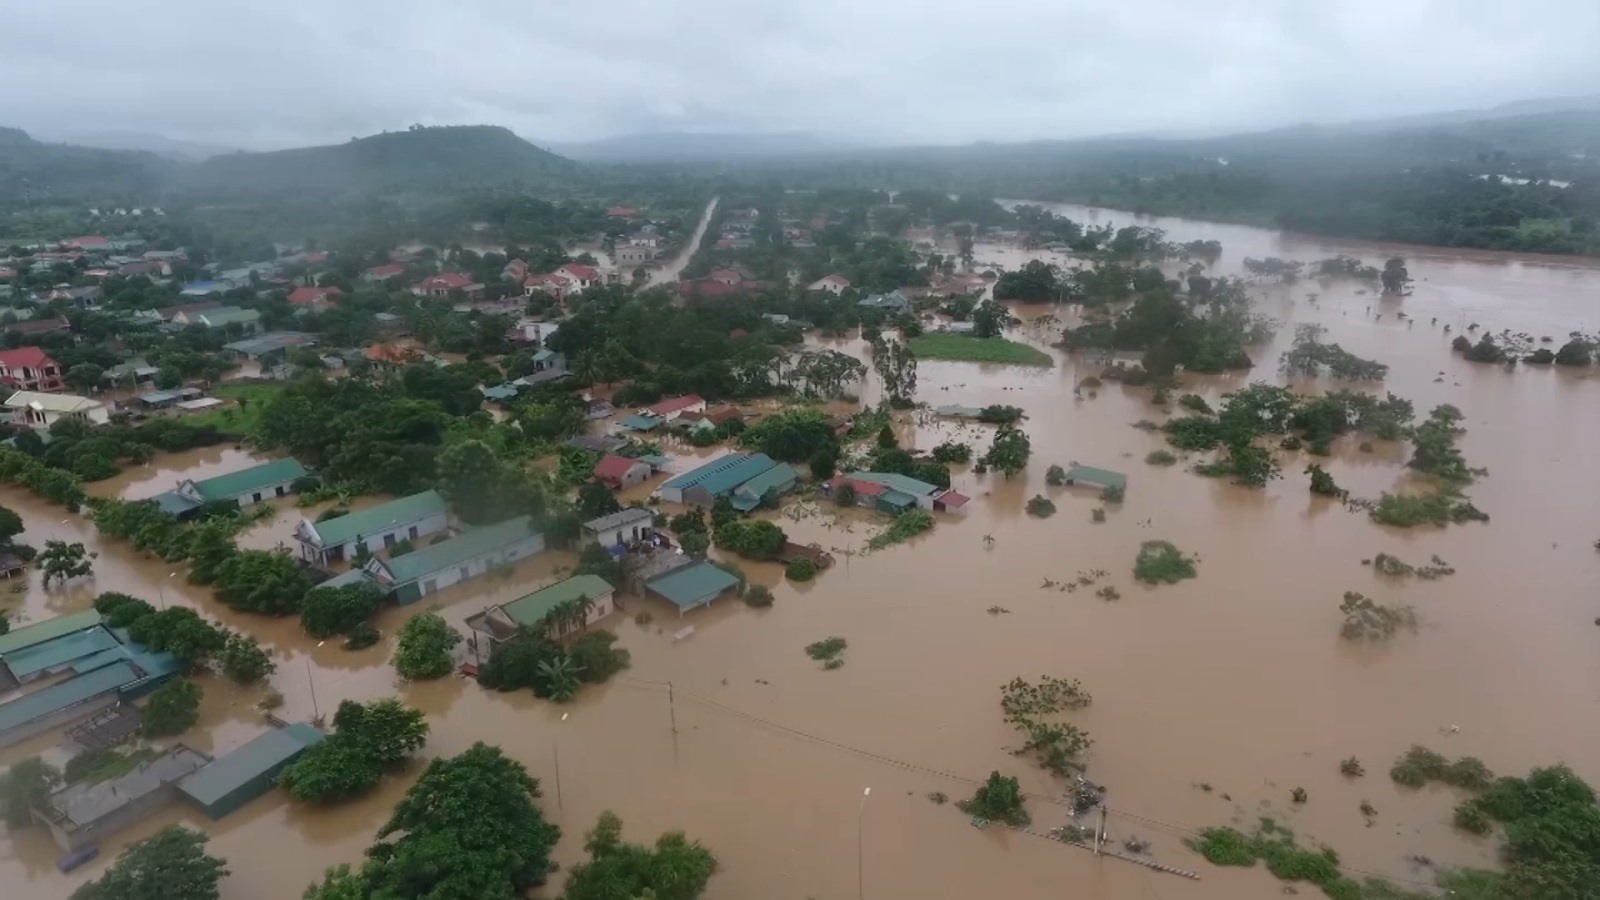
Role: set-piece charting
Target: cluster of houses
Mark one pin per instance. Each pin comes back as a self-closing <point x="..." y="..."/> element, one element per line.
<point x="77" y="675"/>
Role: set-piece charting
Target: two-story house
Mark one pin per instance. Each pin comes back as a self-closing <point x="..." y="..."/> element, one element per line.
<point x="30" y="369"/>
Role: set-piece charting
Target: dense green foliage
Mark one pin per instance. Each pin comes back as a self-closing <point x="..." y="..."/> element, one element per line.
<point x="1160" y="562"/>
<point x="25" y="783"/>
<point x="367" y="741"/>
<point x="977" y="349"/>
<point x="424" y="647"/>
<point x="327" y="611"/>
<point x="173" y="708"/>
<point x="999" y="799"/>
<point x="676" y="869"/>
<point x="262" y="581"/>
<point x="467" y="828"/>
<point x="903" y="527"/>
<point x="170" y="865"/>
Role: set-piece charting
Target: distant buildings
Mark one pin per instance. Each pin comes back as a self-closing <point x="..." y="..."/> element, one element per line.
<point x="441" y="286"/>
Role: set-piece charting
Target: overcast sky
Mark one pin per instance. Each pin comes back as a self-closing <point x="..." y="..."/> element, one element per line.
<point x="255" y="74"/>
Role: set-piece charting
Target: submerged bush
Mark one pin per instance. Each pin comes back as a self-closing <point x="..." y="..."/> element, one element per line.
<point x="1160" y="458"/>
<point x="1041" y="507"/>
<point x="1367" y="620"/>
<point x="1161" y="562"/>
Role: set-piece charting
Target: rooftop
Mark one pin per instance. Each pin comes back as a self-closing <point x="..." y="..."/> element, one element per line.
<point x="614" y="467"/>
<point x="472" y="544"/>
<point x="897" y="482"/>
<point x="84" y="803"/>
<point x="693" y="585"/>
<point x="724" y="473"/>
<point x="53" y="654"/>
<point x="383" y="517"/>
<point x="238" y="768"/>
<point x="22" y="637"/>
<point x="621" y="517"/>
<point x="1091" y="474"/>
<point x="228" y="315"/>
<point x="751" y="492"/>
<point x="244" y="481"/>
<point x="59" y="403"/>
<point x="532" y="609"/>
<point x="57" y="697"/>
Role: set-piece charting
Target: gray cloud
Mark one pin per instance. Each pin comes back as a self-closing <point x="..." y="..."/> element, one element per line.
<point x="258" y="74"/>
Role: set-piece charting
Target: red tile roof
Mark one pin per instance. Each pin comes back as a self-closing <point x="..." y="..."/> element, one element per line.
<point x="577" y="270"/>
<point x="90" y="240"/>
<point x="30" y="357"/>
<point x="614" y="468"/>
<point x="303" y="296"/>
<point x="622" y="212"/>
<point x="446" y="281"/>
<point x="668" y="407"/>
<point x="953" y="498"/>
<point x="863" y="488"/>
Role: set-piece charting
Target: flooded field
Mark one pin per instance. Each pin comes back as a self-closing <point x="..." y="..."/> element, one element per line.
<point x="1212" y="698"/>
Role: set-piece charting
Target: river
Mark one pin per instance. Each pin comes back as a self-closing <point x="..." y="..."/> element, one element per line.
<point x="1212" y="698"/>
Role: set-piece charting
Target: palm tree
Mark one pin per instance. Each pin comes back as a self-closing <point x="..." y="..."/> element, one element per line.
<point x="561" y="678"/>
<point x="585" y="368"/>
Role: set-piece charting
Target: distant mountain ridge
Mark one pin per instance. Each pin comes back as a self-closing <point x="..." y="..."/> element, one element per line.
<point x="161" y="145"/>
<point x="672" y="147"/>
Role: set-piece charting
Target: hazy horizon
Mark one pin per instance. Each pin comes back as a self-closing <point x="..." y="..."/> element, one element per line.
<point x="880" y="72"/>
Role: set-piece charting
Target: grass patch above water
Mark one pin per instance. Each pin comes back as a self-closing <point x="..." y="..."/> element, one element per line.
<point x="975" y="349"/>
<point x="239" y="419"/>
<point x="1160" y="562"/>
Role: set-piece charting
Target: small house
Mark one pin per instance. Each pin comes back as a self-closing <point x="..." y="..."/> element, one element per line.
<point x="441" y="286"/>
<point x="315" y="297"/>
<point x="428" y="570"/>
<point x="595" y="443"/>
<point x="379" y="528"/>
<point x="621" y="528"/>
<point x="245" y="487"/>
<point x="383" y="272"/>
<point x="158" y="400"/>
<point x="618" y="472"/>
<point x="643" y="422"/>
<point x="548" y="365"/>
<point x="40" y="411"/>
<point x="248" y="320"/>
<point x="1101" y="478"/>
<point x="888" y="492"/>
<point x="693" y="585"/>
<point x="568" y="606"/>
<point x="953" y="502"/>
<point x="892" y="302"/>
<point x="833" y="284"/>
<point x="672" y="408"/>
<point x="234" y="779"/>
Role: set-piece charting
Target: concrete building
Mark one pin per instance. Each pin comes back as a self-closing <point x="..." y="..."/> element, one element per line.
<point x="408" y="518"/>
<point x="30" y="369"/>
<point x="627" y="526"/>
<point x="543" y="609"/>
<point x="89" y="812"/>
<point x="692" y="585"/>
<point x="40" y="410"/>
<point x="236" y="778"/>
<point x="431" y="569"/>
<point x="100" y="680"/>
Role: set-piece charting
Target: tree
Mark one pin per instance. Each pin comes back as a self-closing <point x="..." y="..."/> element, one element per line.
<point x="1434" y="446"/>
<point x="368" y="740"/>
<point x="173" y="709"/>
<point x="676" y="869"/>
<point x="1010" y="451"/>
<point x="596" y="500"/>
<point x="999" y="800"/>
<point x="327" y="611"/>
<point x="424" y="647"/>
<point x="988" y="320"/>
<point x="1395" y="277"/>
<point x="62" y="561"/>
<point x="11" y="525"/>
<point x="24" y="785"/>
<point x="244" y="661"/>
<point x="84" y="377"/>
<point x="262" y="581"/>
<point x="1576" y="352"/>
<point x="896" y="365"/>
<point x="1322" y="483"/>
<point x="170" y="865"/>
<point x="467" y="828"/>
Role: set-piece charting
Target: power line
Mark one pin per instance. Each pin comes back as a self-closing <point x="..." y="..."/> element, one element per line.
<point x="1171" y="827"/>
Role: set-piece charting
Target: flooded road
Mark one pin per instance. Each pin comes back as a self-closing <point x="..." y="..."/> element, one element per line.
<point x="668" y="270"/>
<point x="1213" y="698"/>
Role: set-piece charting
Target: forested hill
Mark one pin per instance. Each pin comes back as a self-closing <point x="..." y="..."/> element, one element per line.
<point x="421" y="160"/>
<point x="37" y="172"/>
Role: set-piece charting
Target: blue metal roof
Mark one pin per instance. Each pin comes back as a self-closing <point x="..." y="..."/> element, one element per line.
<point x="693" y="585"/>
<point x="57" y="697"/>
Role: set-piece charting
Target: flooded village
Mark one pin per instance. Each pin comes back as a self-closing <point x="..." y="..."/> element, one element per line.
<point x="1225" y="699"/>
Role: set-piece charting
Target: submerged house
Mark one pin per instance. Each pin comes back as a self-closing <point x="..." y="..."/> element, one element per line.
<point x="623" y="527"/>
<point x="618" y="472"/>
<point x="778" y="480"/>
<point x="546" y="609"/>
<point x="692" y="585"/>
<point x="428" y="570"/>
<point x="381" y="527"/>
<point x="245" y="487"/>
<point x="891" y="492"/>
<point x="91" y="811"/>
<point x="236" y="778"/>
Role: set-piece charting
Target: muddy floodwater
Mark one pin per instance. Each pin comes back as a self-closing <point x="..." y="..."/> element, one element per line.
<point x="1213" y="698"/>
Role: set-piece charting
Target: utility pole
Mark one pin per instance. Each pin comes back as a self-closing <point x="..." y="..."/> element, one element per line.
<point x="861" y="842"/>
<point x="1100" y="830"/>
<point x="315" y="712"/>
<point x="672" y="707"/>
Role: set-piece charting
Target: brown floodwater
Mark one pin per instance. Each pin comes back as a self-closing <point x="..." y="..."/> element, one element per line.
<point x="1237" y="679"/>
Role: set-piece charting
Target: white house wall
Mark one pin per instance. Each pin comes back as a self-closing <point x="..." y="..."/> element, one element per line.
<point x="480" y="565"/>
<point x="376" y="541"/>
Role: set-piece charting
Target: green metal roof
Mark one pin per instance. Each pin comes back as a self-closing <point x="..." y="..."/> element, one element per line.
<point x="228" y="315"/>
<point x="68" y="693"/>
<point x="693" y="585"/>
<point x="427" y="560"/>
<point x="749" y="495"/>
<point x="235" y="770"/>
<point x="641" y="423"/>
<point x="1104" y="477"/>
<point x="532" y="609"/>
<point x="54" y="654"/>
<point x="905" y="484"/>
<point x="48" y="630"/>
<point x="897" y="499"/>
<point x="721" y="476"/>
<point x="381" y="518"/>
<point x="245" y="481"/>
